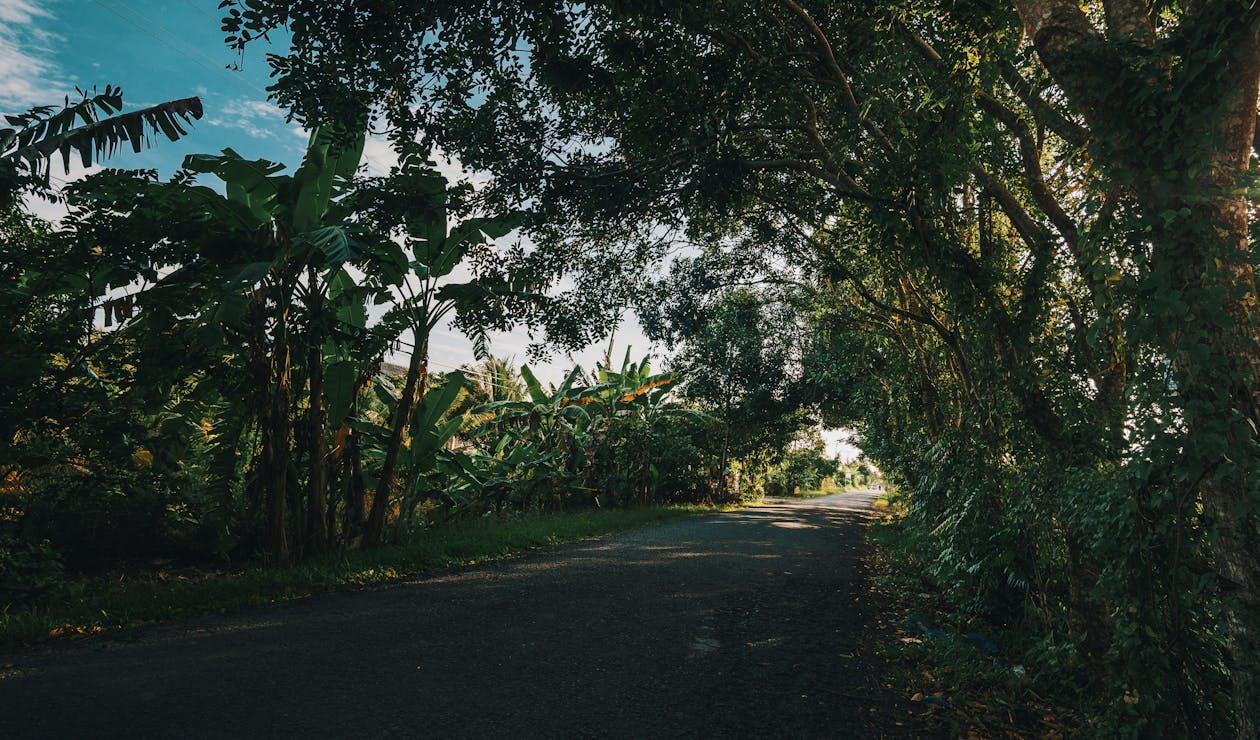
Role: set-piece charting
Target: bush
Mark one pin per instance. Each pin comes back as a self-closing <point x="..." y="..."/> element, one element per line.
<point x="29" y="572"/>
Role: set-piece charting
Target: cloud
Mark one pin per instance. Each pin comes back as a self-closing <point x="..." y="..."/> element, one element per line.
<point x="20" y="12"/>
<point x="379" y="156"/>
<point x="27" y="76"/>
<point x="258" y="118"/>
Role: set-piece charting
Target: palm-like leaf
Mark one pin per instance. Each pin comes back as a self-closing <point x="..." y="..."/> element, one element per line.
<point x="93" y="128"/>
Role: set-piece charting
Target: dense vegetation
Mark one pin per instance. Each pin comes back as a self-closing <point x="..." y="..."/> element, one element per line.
<point x="1015" y="240"/>
<point x="195" y="370"/>
<point x="1009" y="243"/>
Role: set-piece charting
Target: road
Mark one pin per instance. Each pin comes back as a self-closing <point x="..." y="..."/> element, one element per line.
<point x="743" y="624"/>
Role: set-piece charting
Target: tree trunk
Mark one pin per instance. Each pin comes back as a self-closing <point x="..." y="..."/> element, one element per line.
<point x="1179" y="134"/>
<point x="316" y="420"/>
<point x="276" y="440"/>
<point x="354" y="518"/>
<point x="1216" y="351"/>
<point x="416" y="371"/>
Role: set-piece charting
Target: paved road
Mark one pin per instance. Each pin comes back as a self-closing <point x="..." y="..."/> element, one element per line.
<point x="732" y="625"/>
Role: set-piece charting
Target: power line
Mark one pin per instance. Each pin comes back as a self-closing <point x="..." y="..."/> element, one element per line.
<point x="201" y="10"/>
<point x="173" y="47"/>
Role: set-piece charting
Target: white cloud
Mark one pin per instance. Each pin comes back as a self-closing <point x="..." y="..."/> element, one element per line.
<point x="27" y="76"/>
<point x="379" y="156"/>
<point x="258" y="109"/>
<point x="20" y="12"/>
<point x="257" y="118"/>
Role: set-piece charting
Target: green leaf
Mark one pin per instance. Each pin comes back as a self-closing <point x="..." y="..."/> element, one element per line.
<point x="437" y="402"/>
<point x="339" y="386"/>
<point x="333" y="241"/>
<point x="535" y="389"/>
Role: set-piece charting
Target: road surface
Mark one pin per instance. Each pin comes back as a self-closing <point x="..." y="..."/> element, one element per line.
<point x="742" y="624"/>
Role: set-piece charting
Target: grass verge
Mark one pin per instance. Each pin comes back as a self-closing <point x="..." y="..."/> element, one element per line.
<point x="811" y="493"/>
<point x="827" y="488"/>
<point x="105" y="606"/>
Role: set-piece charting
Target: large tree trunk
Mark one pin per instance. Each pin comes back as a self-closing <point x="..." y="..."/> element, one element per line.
<point x="1216" y="351"/>
<point x="1215" y="348"/>
<point x="417" y="370"/>
<point x="1188" y="179"/>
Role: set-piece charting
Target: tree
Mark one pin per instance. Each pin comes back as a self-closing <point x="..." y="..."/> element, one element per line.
<point x="1173" y="121"/>
<point x="428" y="295"/>
<point x="739" y="352"/>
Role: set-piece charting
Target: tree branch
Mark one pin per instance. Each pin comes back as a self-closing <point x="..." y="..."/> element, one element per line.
<point x="828" y="55"/>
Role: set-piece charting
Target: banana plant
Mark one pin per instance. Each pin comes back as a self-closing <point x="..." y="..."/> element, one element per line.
<point x="302" y="229"/>
<point x="554" y="426"/>
<point x="432" y="427"/>
<point x="635" y="398"/>
<point x="93" y="128"/>
<point x="258" y="282"/>
<point x="415" y="200"/>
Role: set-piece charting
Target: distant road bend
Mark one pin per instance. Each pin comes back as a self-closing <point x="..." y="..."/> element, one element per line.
<point x="742" y="624"/>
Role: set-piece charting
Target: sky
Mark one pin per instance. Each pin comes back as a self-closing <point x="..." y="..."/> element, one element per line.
<point x="158" y="50"/>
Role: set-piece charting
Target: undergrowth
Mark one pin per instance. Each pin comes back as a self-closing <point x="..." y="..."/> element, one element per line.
<point x="971" y="678"/>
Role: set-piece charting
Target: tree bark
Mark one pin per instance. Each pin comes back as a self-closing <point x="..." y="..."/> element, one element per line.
<point x="317" y="420"/>
<point x="416" y="371"/>
<point x="277" y="434"/>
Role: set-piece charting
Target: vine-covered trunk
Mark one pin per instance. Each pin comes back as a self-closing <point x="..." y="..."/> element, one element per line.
<point x="1206" y="252"/>
<point x="1217" y="354"/>
<point x="1179" y="134"/>
<point x="417" y="369"/>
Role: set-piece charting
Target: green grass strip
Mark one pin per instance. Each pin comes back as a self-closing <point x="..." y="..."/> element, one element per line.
<point x="112" y="606"/>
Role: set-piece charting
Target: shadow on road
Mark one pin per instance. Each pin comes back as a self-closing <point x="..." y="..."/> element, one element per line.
<point x="736" y="624"/>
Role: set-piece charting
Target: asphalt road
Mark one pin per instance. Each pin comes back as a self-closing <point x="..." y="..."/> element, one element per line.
<point x="733" y="625"/>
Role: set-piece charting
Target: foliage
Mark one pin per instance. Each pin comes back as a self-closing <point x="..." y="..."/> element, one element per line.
<point x="804" y="467"/>
<point x="1020" y="232"/>
<point x="29" y="572"/>
<point x="1010" y="245"/>
<point x="93" y="128"/>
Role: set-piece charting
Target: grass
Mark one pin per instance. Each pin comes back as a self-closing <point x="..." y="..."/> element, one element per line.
<point x="890" y="502"/>
<point x="101" y="607"/>
<point x="827" y="488"/>
<point x="811" y="493"/>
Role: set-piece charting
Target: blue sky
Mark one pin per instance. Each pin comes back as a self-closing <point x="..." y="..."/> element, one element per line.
<point x="155" y="50"/>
